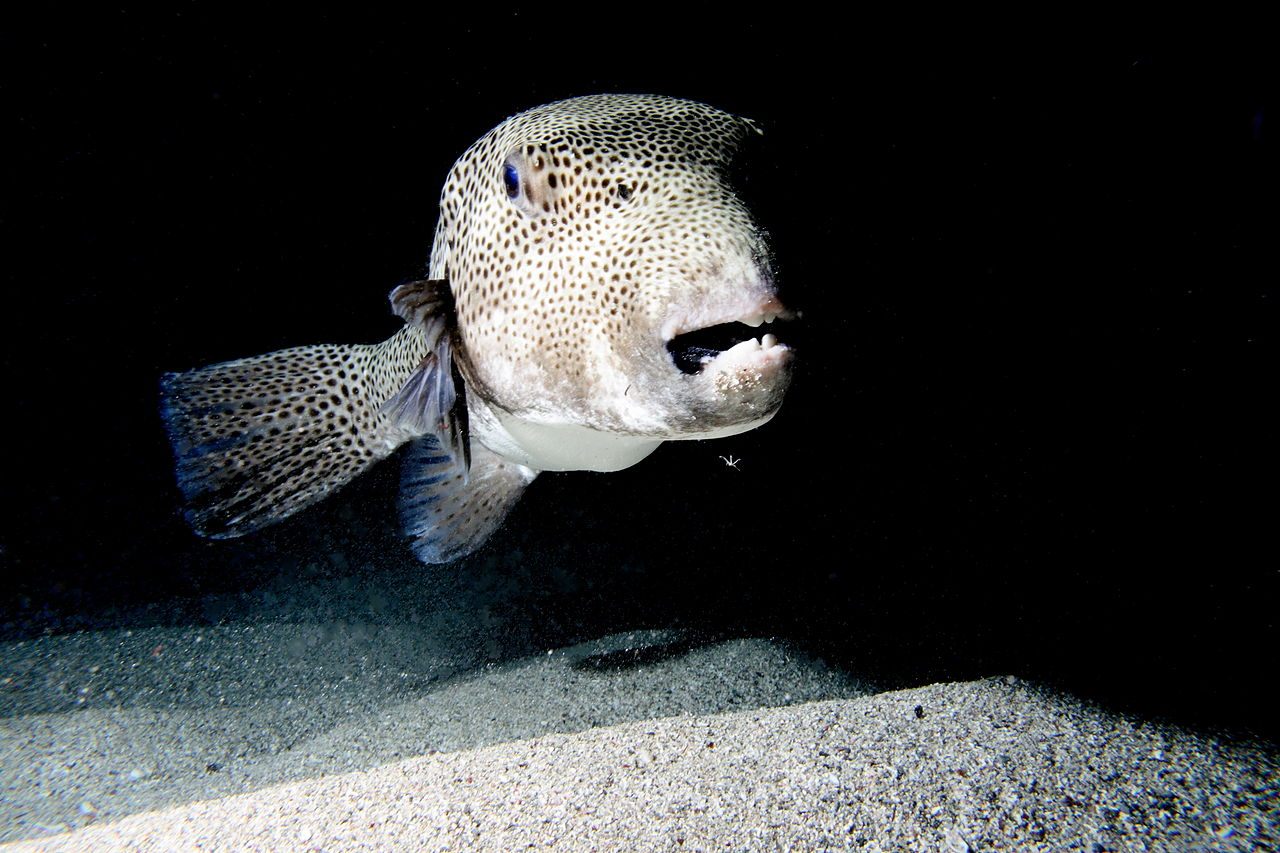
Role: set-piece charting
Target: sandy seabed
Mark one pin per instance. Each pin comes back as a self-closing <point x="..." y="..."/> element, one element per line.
<point x="347" y="736"/>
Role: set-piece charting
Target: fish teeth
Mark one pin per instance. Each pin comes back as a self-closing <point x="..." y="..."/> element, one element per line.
<point x="757" y="319"/>
<point x="768" y="341"/>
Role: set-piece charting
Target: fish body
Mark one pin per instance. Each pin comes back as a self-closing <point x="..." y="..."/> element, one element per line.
<point x="595" y="288"/>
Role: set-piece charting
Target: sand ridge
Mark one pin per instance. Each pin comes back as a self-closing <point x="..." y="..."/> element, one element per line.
<point x="992" y="764"/>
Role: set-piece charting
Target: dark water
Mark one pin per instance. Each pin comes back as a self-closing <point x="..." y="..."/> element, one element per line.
<point x="1029" y="428"/>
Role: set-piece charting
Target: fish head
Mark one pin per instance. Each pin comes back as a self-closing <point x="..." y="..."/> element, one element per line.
<point x="606" y="274"/>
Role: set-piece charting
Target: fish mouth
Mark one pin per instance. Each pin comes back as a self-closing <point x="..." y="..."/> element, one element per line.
<point x="749" y="337"/>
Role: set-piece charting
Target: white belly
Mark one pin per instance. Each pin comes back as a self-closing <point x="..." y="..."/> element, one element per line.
<point x="555" y="447"/>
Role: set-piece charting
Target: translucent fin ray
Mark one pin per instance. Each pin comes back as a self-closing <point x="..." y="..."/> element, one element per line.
<point x="447" y="515"/>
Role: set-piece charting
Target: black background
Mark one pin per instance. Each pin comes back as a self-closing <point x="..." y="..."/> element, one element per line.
<point x="1030" y="429"/>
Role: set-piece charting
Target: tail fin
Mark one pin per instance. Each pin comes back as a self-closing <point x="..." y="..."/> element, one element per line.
<point x="260" y="438"/>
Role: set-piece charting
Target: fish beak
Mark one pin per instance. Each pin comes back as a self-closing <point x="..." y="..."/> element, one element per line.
<point x="729" y="340"/>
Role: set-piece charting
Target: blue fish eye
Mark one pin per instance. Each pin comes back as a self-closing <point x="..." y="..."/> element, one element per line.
<point x="511" y="178"/>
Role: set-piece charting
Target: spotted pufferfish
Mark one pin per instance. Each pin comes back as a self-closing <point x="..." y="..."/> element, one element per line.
<point x="595" y="288"/>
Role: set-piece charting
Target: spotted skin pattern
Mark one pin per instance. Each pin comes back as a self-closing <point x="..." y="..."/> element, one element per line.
<point x="577" y="240"/>
<point x="623" y="211"/>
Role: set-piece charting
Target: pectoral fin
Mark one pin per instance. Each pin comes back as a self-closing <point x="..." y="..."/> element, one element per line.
<point x="433" y="400"/>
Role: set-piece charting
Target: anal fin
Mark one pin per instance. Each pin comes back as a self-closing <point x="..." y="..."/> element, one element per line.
<point x="448" y="514"/>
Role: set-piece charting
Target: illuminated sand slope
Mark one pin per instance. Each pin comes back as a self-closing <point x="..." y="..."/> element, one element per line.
<point x="992" y="764"/>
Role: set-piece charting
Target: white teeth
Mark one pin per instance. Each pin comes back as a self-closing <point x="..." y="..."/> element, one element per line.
<point x="757" y="319"/>
<point x="768" y="341"/>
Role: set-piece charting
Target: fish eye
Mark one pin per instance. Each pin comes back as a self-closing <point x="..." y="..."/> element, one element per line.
<point x="511" y="179"/>
<point x="624" y="191"/>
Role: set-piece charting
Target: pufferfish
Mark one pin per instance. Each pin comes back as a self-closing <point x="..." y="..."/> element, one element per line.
<point x="596" y="287"/>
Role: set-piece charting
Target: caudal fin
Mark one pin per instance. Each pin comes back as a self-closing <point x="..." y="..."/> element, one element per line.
<point x="258" y="439"/>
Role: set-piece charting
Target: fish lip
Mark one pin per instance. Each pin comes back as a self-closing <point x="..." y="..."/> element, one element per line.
<point x="691" y="321"/>
<point x="750" y="355"/>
